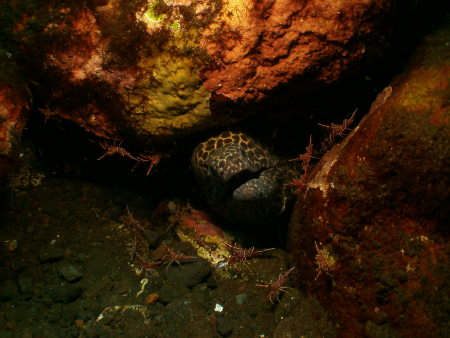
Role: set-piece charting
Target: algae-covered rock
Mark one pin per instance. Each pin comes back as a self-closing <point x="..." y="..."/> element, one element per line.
<point x="370" y="234"/>
<point x="161" y="69"/>
<point x="120" y="67"/>
<point x="171" y="98"/>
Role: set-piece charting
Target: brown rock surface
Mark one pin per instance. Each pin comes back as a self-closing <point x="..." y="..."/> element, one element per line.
<point x="15" y="101"/>
<point x="374" y="218"/>
<point x="267" y="43"/>
<point x="160" y="69"/>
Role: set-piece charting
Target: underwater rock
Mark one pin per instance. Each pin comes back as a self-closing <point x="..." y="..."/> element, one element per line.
<point x="171" y="291"/>
<point x="70" y="273"/>
<point x="258" y="45"/>
<point x="163" y="69"/>
<point x="62" y="293"/>
<point x="370" y="234"/>
<point x="120" y="67"/>
<point x="189" y="274"/>
<point x="299" y="316"/>
<point x="51" y="254"/>
<point x="15" y="101"/>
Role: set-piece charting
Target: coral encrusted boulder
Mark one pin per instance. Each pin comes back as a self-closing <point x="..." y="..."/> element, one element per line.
<point x="370" y="234"/>
<point x="161" y="69"/>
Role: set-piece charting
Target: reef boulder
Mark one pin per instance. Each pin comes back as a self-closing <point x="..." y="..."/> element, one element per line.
<point x="162" y="69"/>
<point x="370" y="235"/>
<point x="15" y="101"/>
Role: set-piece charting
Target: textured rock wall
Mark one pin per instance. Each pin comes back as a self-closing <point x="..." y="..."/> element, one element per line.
<point x="370" y="235"/>
<point x="267" y="43"/>
<point x="161" y="69"/>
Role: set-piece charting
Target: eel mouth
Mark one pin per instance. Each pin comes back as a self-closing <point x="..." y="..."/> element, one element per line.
<point x="236" y="181"/>
<point x="255" y="189"/>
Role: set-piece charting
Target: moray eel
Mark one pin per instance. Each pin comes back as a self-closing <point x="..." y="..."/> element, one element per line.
<point x="242" y="180"/>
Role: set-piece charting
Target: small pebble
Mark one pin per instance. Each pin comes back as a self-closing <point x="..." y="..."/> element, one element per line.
<point x="151" y="299"/>
<point x="190" y="274"/>
<point x="70" y="273"/>
<point x="79" y="323"/>
<point x="172" y="206"/>
<point x="63" y="294"/>
<point x="25" y="283"/>
<point x="11" y="245"/>
<point x="152" y="238"/>
<point x="172" y="291"/>
<point x="241" y="298"/>
<point x="51" y="254"/>
<point x="218" y="308"/>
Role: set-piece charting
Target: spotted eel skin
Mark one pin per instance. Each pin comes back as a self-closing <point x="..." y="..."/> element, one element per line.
<point x="242" y="181"/>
